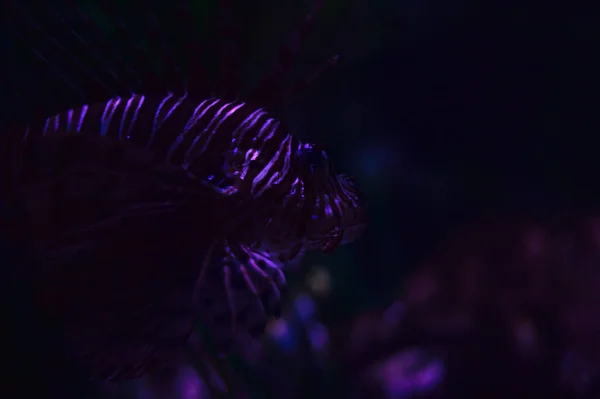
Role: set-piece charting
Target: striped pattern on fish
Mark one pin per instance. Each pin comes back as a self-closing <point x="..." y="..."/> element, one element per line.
<point x="282" y="198"/>
<point x="146" y="155"/>
<point x="234" y="149"/>
<point x="278" y="200"/>
<point x="191" y="134"/>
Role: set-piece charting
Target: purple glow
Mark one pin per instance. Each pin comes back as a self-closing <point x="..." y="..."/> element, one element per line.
<point x="190" y="386"/>
<point x="155" y="123"/>
<point x="135" y="114"/>
<point x="107" y="114"/>
<point x="319" y="337"/>
<point x="46" y="125"/>
<point x="69" y="119"/>
<point x="306" y="308"/>
<point x="281" y="333"/>
<point x="409" y="373"/>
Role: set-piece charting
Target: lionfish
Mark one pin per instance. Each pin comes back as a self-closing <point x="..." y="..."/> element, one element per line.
<point x="148" y="211"/>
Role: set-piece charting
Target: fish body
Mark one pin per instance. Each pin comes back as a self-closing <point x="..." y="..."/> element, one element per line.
<point x="148" y="212"/>
<point x="110" y="235"/>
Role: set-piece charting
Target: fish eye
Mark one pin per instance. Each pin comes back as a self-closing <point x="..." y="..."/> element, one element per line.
<point x="312" y="155"/>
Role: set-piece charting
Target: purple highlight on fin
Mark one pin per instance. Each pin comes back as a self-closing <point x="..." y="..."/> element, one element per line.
<point x="107" y="115"/>
<point x="124" y="116"/>
<point x="135" y="115"/>
<point x="46" y="126"/>
<point x="84" y="111"/>
<point x="156" y="124"/>
<point x="69" y="119"/>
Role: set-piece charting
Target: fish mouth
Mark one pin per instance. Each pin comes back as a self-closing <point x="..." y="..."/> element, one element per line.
<point x="341" y="229"/>
<point x="355" y="224"/>
<point x="353" y="218"/>
<point x="352" y="233"/>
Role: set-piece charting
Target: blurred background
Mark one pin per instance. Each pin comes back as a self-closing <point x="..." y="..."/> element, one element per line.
<point x="472" y="129"/>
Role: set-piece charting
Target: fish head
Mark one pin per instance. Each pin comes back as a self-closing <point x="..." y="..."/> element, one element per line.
<point x="334" y="209"/>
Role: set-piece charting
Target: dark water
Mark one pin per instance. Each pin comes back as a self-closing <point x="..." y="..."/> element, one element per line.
<point x="30" y="341"/>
